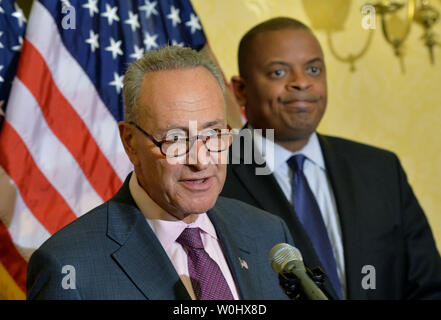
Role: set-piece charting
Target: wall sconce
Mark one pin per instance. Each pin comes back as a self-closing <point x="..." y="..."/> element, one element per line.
<point x="330" y="16"/>
<point x="351" y="58"/>
<point x="423" y="14"/>
<point x="388" y="8"/>
<point x="427" y="16"/>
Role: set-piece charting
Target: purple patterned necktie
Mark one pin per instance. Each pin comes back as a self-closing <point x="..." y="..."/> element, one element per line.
<point x="206" y="277"/>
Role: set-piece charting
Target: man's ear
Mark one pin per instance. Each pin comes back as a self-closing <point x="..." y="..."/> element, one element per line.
<point x="128" y="140"/>
<point x="239" y="90"/>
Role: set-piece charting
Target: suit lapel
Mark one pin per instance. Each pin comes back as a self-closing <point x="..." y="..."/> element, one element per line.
<point x="264" y="189"/>
<point x="343" y="185"/>
<point x="268" y="194"/>
<point x="241" y="252"/>
<point x="141" y="255"/>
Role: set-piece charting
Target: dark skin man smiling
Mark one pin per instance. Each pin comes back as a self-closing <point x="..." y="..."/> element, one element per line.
<point x="288" y="91"/>
<point x="348" y="206"/>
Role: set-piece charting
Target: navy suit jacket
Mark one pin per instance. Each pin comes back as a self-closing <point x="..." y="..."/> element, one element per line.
<point x="115" y="254"/>
<point x="381" y="221"/>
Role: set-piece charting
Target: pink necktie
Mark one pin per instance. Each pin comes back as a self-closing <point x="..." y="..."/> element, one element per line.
<point x="206" y="277"/>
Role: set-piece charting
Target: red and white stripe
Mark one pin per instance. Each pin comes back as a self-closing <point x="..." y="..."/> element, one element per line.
<point x="59" y="144"/>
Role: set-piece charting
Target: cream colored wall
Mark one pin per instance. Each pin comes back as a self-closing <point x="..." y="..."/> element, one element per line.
<point x="376" y="104"/>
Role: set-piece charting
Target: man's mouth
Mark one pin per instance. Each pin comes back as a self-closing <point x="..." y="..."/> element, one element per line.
<point x="197" y="184"/>
<point x="297" y="105"/>
<point x="199" y="181"/>
<point x="292" y="101"/>
<point x="299" y="99"/>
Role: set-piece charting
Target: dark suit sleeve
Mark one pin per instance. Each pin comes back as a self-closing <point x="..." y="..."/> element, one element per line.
<point x="45" y="279"/>
<point x="423" y="259"/>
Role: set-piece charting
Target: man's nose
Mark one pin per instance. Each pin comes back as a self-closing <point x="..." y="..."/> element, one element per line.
<point x="298" y="81"/>
<point x="199" y="156"/>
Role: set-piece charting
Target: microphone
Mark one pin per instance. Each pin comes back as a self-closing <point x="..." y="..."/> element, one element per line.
<point x="286" y="259"/>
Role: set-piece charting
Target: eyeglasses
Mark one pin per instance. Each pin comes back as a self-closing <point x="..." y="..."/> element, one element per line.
<point x="178" y="146"/>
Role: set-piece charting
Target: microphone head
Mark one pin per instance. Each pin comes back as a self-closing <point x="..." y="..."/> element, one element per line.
<point x="283" y="253"/>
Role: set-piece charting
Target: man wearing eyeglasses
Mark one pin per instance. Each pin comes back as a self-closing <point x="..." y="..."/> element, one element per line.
<point x="166" y="234"/>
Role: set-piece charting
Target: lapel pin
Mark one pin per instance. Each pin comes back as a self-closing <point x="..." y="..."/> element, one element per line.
<point x="243" y="263"/>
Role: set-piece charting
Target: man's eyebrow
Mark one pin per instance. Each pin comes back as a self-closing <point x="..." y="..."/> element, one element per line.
<point x="284" y="63"/>
<point x="213" y="123"/>
<point x="317" y="59"/>
<point x="186" y="128"/>
<point x="276" y="62"/>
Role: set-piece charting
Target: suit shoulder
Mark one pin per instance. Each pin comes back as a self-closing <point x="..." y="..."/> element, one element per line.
<point x="88" y="226"/>
<point x="354" y="149"/>
<point x="245" y="212"/>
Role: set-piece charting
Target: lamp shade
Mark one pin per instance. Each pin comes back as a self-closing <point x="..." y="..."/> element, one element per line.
<point x="327" y="15"/>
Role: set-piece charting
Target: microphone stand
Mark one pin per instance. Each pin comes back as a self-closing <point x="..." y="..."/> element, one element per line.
<point x="290" y="283"/>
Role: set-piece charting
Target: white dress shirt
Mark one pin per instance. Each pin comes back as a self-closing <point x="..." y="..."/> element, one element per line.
<point x="318" y="180"/>
<point x="168" y="228"/>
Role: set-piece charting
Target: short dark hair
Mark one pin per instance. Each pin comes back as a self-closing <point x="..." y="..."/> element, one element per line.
<point x="274" y="24"/>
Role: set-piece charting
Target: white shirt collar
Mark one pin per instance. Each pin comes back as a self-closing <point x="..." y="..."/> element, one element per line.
<point x="166" y="226"/>
<point x="311" y="150"/>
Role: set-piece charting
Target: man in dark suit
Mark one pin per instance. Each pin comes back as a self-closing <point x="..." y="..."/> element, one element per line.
<point x="365" y="228"/>
<point x="166" y="234"/>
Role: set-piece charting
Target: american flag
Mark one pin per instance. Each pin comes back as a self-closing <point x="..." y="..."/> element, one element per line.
<point x="243" y="263"/>
<point x="12" y="28"/>
<point x="59" y="143"/>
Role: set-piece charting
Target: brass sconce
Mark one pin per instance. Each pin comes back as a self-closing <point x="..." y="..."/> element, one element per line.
<point x="423" y="14"/>
<point x="386" y="8"/>
<point x="427" y="16"/>
<point x="330" y="16"/>
<point x="350" y="58"/>
<point x="396" y="18"/>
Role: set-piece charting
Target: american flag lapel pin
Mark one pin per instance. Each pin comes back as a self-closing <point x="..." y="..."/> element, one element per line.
<point x="243" y="263"/>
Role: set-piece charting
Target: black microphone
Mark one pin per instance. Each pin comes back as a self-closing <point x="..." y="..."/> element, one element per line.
<point x="286" y="259"/>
